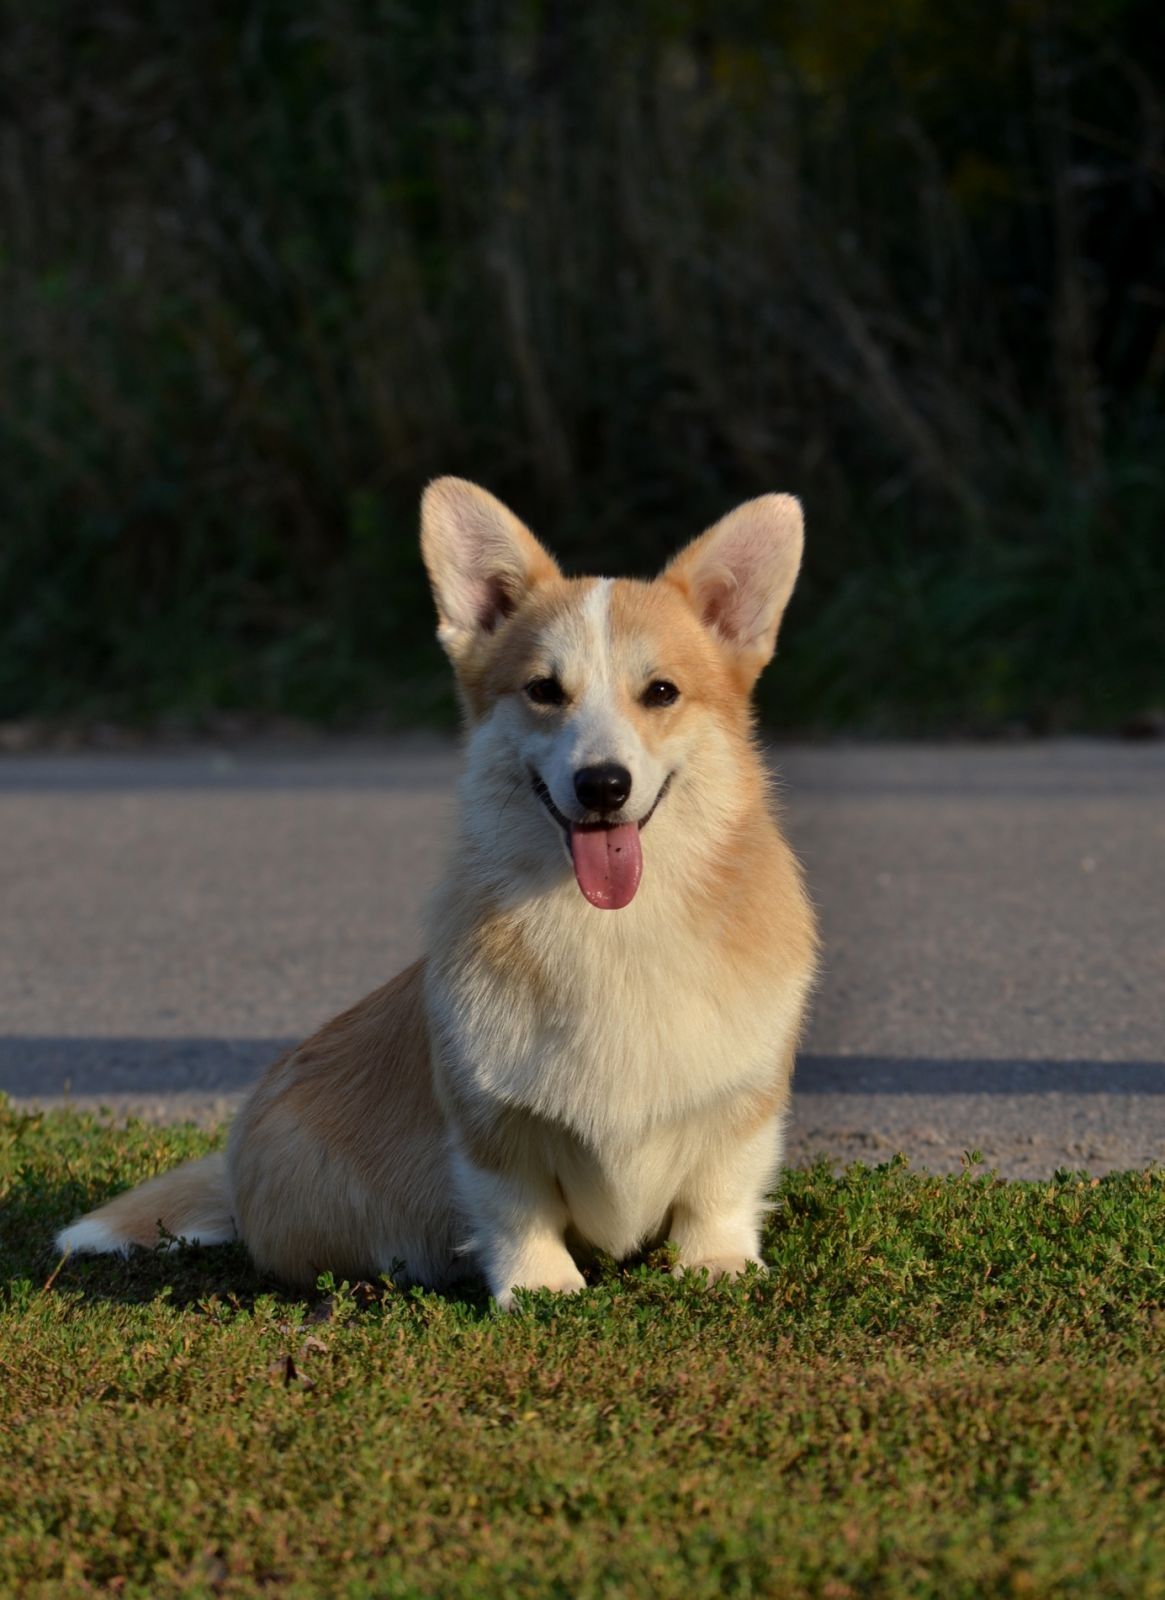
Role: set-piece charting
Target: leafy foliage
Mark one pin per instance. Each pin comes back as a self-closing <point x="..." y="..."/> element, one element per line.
<point x="264" y="271"/>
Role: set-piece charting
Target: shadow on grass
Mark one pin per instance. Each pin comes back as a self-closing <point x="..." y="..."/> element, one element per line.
<point x="36" y="1208"/>
<point x="187" y="1275"/>
<point x="56" y="1166"/>
<point x="883" y="1248"/>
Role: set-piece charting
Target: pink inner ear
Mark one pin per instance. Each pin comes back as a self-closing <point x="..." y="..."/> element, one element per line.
<point x="733" y="598"/>
<point x="716" y="598"/>
<point x="496" y="603"/>
<point x="739" y="574"/>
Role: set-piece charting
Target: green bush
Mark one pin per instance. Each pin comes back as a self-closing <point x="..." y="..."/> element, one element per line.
<point x="266" y="268"/>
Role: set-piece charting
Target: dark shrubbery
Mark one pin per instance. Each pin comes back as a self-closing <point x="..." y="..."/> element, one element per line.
<point x="266" y="268"/>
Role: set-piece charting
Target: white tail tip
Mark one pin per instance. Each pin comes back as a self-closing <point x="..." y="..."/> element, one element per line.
<point x="90" y="1238"/>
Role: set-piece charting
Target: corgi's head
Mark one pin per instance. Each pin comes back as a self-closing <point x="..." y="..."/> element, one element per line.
<point x="600" y="706"/>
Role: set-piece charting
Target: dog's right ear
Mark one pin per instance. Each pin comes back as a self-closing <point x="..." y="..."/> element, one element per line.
<point x="482" y="562"/>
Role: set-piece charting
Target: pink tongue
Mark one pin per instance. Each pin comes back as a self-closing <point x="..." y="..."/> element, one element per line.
<point x="607" y="864"/>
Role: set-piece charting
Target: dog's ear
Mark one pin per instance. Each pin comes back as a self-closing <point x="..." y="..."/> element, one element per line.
<point x="739" y="575"/>
<point x="482" y="562"/>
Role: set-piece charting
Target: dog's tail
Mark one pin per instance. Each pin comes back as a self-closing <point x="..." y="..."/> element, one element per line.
<point x="191" y="1203"/>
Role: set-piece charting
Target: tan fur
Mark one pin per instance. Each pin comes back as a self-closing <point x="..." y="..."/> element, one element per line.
<point x="501" y="946"/>
<point x="554" y="1077"/>
<point x="501" y="663"/>
<point x="338" y="1156"/>
<point x="680" y="650"/>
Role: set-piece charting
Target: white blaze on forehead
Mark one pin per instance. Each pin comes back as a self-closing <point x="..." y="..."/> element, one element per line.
<point x="596" y="727"/>
<point x="575" y="645"/>
<point x="600" y="732"/>
<point x="597" y="617"/>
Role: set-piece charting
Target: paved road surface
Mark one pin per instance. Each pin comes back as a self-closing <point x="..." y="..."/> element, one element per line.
<point x="994" y="921"/>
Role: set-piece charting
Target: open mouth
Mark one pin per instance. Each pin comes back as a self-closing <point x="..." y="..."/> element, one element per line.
<point x="607" y="856"/>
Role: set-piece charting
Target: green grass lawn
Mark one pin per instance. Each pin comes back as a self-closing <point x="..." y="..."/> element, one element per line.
<point x="945" y="1386"/>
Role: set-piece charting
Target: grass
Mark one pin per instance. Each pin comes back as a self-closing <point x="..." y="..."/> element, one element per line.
<point x="944" y="1387"/>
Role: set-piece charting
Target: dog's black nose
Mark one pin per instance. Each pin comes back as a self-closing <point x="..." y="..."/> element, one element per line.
<point x="602" y="788"/>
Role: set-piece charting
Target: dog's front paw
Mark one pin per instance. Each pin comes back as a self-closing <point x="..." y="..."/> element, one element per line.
<point x="719" y="1267"/>
<point x="557" y="1283"/>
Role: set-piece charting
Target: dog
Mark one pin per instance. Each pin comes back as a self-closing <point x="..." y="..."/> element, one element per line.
<point x="596" y="1052"/>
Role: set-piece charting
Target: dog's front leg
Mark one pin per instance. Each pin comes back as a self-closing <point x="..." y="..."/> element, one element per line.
<point x="519" y="1226"/>
<point x="717" y="1214"/>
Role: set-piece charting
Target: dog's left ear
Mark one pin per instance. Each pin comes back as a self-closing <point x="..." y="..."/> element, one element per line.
<point x="482" y="562"/>
<point x="739" y="575"/>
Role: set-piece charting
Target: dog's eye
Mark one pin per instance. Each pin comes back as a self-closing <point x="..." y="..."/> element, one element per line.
<point x="545" y="692"/>
<point x="660" y="693"/>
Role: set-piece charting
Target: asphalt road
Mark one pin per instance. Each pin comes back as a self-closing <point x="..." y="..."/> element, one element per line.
<point x="994" y="922"/>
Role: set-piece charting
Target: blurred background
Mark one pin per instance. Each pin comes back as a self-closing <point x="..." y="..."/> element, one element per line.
<point x="267" y="267"/>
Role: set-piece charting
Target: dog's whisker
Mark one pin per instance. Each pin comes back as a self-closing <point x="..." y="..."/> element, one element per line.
<point x="517" y="784"/>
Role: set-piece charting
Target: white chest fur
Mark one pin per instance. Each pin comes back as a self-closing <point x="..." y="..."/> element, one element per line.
<point x="623" y="1032"/>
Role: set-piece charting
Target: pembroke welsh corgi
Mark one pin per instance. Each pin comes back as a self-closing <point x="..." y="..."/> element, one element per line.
<point x="597" y="1051"/>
